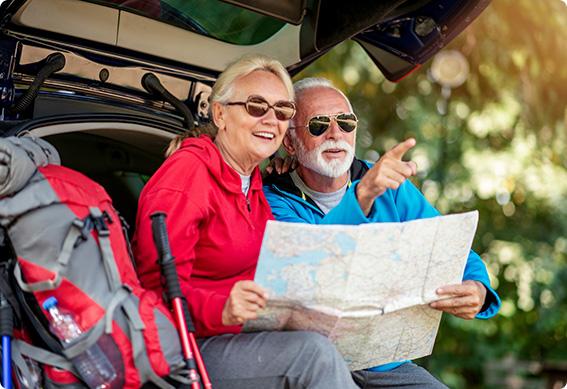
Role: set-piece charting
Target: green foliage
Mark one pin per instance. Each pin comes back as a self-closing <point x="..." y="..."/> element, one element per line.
<point x="501" y="149"/>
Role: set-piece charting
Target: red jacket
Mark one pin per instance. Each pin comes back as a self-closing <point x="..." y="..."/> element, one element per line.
<point x="215" y="232"/>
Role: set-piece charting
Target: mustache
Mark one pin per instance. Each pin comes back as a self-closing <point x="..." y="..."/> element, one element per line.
<point x="335" y="144"/>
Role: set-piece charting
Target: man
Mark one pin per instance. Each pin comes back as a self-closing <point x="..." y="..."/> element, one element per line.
<point x="331" y="186"/>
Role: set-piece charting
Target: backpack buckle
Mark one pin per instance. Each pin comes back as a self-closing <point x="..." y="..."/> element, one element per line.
<point x="99" y="221"/>
<point x="85" y="226"/>
<point x="100" y="225"/>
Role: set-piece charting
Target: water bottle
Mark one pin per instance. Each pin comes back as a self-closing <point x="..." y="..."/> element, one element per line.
<point x="97" y="365"/>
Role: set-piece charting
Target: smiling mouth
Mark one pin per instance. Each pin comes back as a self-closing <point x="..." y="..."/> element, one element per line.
<point x="264" y="135"/>
<point x="334" y="151"/>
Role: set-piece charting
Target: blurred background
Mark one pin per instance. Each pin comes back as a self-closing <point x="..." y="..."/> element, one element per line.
<point x="490" y="117"/>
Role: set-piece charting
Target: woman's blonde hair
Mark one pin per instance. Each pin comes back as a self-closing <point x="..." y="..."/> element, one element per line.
<point x="223" y="89"/>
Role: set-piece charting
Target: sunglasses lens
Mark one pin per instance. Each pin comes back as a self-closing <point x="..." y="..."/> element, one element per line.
<point x="285" y="110"/>
<point x="347" y="122"/>
<point x="257" y="107"/>
<point x="319" y="124"/>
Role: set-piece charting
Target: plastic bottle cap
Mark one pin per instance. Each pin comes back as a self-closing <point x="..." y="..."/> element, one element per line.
<point x="49" y="302"/>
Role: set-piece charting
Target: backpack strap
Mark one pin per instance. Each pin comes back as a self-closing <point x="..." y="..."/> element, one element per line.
<point x="99" y="218"/>
<point x="121" y="298"/>
<point x="74" y="233"/>
<point x="141" y="360"/>
<point x="135" y="323"/>
<point x="22" y="349"/>
<point x="78" y="232"/>
<point x="103" y="326"/>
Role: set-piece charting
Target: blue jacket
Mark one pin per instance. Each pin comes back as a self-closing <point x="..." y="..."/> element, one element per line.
<point x="290" y="204"/>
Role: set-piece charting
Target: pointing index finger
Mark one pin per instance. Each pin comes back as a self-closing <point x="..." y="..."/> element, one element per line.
<point x="400" y="149"/>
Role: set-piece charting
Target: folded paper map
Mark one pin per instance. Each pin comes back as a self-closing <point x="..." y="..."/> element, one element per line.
<point x="366" y="287"/>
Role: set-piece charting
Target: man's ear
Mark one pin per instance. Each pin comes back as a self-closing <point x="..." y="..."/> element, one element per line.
<point x="218" y="115"/>
<point x="288" y="143"/>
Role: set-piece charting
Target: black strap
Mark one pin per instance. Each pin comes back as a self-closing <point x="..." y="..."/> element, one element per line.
<point x="37" y="327"/>
<point x="25" y="307"/>
<point x="125" y="229"/>
<point x="7" y="293"/>
<point x="7" y="258"/>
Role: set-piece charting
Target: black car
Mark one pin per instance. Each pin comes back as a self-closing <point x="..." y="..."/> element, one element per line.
<point x="110" y="82"/>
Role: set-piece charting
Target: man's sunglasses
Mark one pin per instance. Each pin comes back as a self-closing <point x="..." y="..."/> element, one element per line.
<point x="257" y="106"/>
<point x="317" y="125"/>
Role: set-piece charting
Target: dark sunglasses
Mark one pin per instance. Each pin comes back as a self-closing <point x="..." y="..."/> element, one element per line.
<point x="257" y="106"/>
<point x="317" y="125"/>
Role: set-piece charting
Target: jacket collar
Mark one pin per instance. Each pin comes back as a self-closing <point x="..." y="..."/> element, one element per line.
<point x="204" y="148"/>
<point x="284" y="182"/>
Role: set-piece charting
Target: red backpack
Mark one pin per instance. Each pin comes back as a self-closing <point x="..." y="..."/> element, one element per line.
<point x="68" y="243"/>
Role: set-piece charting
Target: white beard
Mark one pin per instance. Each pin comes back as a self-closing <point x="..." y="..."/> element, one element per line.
<point x="315" y="161"/>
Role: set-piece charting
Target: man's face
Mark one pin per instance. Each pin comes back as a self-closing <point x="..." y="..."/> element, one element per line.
<point x="331" y="153"/>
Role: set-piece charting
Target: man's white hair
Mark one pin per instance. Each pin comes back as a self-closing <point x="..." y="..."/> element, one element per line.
<point x="317" y="82"/>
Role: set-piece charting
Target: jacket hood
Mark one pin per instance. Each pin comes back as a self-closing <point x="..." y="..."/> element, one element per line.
<point x="228" y="178"/>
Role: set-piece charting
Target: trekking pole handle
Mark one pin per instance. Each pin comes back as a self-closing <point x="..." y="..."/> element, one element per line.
<point x="161" y="240"/>
<point x="180" y="312"/>
<point x="165" y="258"/>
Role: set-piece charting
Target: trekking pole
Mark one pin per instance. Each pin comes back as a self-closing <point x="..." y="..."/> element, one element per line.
<point x="179" y="305"/>
<point x="6" y="330"/>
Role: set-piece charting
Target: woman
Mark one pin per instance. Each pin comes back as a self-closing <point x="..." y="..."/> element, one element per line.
<point x="212" y="192"/>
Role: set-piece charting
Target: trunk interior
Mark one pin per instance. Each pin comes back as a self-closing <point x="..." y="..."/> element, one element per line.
<point x="119" y="156"/>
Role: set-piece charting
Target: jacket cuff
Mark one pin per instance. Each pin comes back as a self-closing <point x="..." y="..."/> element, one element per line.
<point x="210" y="323"/>
<point x="217" y="303"/>
<point x="358" y="213"/>
<point x="491" y="304"/>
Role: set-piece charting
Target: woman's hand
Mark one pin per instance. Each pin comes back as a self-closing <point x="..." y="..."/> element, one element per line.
<point x="245" y="300"/>
<point x="281" y="166"/>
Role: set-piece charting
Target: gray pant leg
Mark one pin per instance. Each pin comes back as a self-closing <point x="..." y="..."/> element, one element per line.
<point x="264" y="360"/>
<point x="408" y="375"/>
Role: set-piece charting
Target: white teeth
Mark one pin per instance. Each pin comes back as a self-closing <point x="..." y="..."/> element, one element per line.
<point x="266" y="135"/>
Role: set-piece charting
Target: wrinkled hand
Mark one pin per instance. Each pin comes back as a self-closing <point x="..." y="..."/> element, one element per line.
<point x="464" y="300"/>
<point x="282" y="165"/>
<point x="388" y="173"/>
<point x="245" y="300"/>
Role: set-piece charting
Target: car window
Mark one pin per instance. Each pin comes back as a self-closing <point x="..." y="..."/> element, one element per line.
<point x="212" y="18"/>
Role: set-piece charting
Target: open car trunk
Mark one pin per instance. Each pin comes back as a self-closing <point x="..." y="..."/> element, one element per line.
<point x="119" y="155"/>
<point x="76" y="72"/>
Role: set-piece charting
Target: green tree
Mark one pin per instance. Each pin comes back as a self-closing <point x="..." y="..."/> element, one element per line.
<point x="501" y="149"/>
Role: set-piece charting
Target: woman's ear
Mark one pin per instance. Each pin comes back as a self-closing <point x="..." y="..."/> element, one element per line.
<point x="218" y="115"/>
<point x="288" y="143"/>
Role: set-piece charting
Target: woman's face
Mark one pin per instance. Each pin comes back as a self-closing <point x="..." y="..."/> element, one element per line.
<point x="247" y="138"/>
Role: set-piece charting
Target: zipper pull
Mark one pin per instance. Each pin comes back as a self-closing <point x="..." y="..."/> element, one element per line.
<point x="248" y="204"/>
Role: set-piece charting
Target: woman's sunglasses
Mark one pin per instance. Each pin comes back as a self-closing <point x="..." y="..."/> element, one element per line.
<point x="257" y="106"/>
<point x="317" y="125"/>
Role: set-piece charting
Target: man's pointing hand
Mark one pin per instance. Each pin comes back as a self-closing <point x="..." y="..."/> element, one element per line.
<point x="388" y="173"/>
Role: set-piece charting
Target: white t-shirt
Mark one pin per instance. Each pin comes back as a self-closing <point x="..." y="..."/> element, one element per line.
<point x="245" y="184"/>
